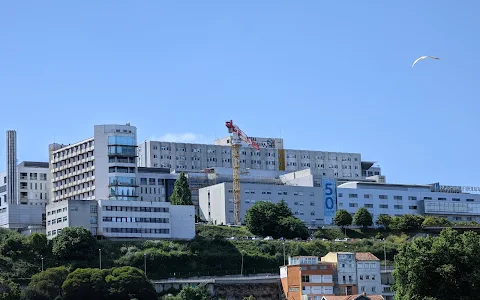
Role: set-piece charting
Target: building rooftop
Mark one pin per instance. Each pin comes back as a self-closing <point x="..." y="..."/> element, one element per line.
<point x="365" y="256"/>
<point x="34" y="164"/>
<point x="366" y="184"/>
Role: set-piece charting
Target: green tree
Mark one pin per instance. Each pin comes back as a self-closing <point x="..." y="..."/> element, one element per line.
<point x="342" y="218"/>
<point x="193" y="293"/>
<point x="38" y="243"/>
<point x="181" y="193"/>
<point x="261" y="219"/>
<point x="86" y="284"/>
<point x="9" y="290"/>
<point x="31" y="293"/>
<point x="74" y="243"/>
<point x="249" y="298"/>
<point x="49" y="282"/>
<point x="406" y="222"/>
<point x="276" y="220"/>
<point x="384" y="220"/>
<point x="291" y="227"/>
<point x="363" y="217"/>
<point x="435" y="267"/>
<point x="431" y="221"/>
<point x="127" y="282"/>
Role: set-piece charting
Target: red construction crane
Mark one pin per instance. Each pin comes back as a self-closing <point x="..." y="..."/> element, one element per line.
<point x="237" y="136"/>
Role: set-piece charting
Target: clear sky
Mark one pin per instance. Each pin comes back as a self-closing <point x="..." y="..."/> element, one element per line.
<point x="323" y="75"/>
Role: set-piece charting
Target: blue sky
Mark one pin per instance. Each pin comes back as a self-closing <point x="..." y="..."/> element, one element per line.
<point x="323" y="75"/>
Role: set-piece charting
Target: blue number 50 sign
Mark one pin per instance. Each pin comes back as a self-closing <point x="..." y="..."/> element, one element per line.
<point x="329" y="196"/>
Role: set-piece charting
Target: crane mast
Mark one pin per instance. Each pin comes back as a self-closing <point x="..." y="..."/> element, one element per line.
<point x="237" y="136"/>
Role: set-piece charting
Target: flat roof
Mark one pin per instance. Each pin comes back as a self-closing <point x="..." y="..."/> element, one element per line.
<point x="34" y="164"/>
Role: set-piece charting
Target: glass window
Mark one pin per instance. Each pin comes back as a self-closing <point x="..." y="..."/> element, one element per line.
<point x="121" y="140"/>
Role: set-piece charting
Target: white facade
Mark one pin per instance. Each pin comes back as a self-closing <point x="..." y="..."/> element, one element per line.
<point x="117" y="219"/>
<point x="368" y="276"/>
<point x="185" y="156"/>
<point x="216" y="202"/>
<point x="401" y="199"/>
<point x="32" y="186"/>
<point x="131" y="201"/>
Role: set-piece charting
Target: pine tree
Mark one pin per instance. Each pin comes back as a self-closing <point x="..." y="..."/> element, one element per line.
<point x="181" y="193"/>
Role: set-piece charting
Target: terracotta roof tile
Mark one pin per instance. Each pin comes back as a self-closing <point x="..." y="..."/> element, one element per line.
<point x="365" y="256"/>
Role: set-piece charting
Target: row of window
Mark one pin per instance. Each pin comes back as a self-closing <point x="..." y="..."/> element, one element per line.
<point x="54" y="232"/>
<point x="152" y="181"/>
<point x="383" y="206"/>
<point x="33" y="176"/>
<point x="58" y="220"/>
<point x="385" y="197"/>
<point x="140" y="209"/>
<point x="137" y="230"/>
<point x="279" y="192"/>
<point x="135" y="220"/>
<point x="73" y="149"/>
<point x="33" y="186"/>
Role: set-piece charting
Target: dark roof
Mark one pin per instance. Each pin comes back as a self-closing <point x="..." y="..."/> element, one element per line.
<point x="35" y="164"/>
<point x="154" y="170"/>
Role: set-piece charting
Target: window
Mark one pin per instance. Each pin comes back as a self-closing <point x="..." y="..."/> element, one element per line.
<point x="352" y="195"/>
<point x="469" y="200"/>
<point x="455" y="199"/>
<point x="305" y="278"/>
<point x="412" y="207"/>
<point x="43" y="176"/>
<point x="340" y="195"/>
<point x="398" y="206"/>
<point x="383" y="206"/>
<point x="397" y="197"/>
<point x="368" y="205"/>
<point x="367" y="277"/>
<point x="442" y="199"/>
<point x="312" y="213"/>
<point x="312" y="203"/>
<point x="353" y="205"/>
<point x="93" y="209"/>
<point x="430" y="198"/>
<point x="412" y="198"/>
<point x="374" y="289"/>
<point x="383" y="197"/>
<point x="373" y="277"/>
<point x="366" y="196"/>
<point x="361" y="277"/>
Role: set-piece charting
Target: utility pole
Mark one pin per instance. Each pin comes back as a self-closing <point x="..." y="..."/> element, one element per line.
<point x="241" y="271"/>
<point x="283" y="252"/>
<point x="385" y="254"/>
<point x="100" y="257"/>
<point x="42" y="262"/>
<point x="145" y="263"/>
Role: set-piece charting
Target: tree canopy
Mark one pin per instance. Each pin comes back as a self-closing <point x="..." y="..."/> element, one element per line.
<point x="406" y="222"/>
<point x="363" y="217"/>
<point x="432" y="221"/>
<point x="384" y="220"/>
<point x="74" y="243"/>
<point x="9" y="290"/>
<point x="122" y="283"/>
<point x="443" y="267"/>
<point x="181" y="193"/>
<point x="342" y="218"/>
<point x="276" y="220"/>
<point x="49" y="282"/>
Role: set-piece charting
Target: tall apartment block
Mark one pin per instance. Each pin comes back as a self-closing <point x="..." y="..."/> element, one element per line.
<point x="23" y="191"/>
<point x="122" y="200"/>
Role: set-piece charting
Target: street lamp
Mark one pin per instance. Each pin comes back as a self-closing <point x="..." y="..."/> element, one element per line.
<point x="283" y="252"/>
<point x="241" y="270"/>
<point x="42" y="262"/>
<point x="100" y="257"/>
<point x="145" y="263"/>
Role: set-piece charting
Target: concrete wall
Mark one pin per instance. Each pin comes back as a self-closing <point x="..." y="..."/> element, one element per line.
<point x="72" y="213"/>
<point x="19" y="216"/>
<point x="183" y="222"/>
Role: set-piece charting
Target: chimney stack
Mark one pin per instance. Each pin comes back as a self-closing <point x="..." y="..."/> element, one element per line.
<point x="12" y="196"/>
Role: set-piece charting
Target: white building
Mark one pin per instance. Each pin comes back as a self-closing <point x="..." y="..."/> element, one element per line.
<point x="31" y="190"/>
<point x="271" y="156"/>
<point x="216" y="202"/>
<point x="368" y="273"/>
<point x="104" y="168"/>
<point x="122" y="219"/>
<point x="454" y="203"/>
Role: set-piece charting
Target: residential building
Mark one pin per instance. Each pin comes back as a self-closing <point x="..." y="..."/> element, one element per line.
<point x="308" y="277"/>
<point x="345" y="276"/>
<point x="368" y="273"/>
<point x="363" y="296"/>
<point x="131" y="201"/>
<point x="271" y="156"/>
<point x="454" y="203"/>
<point x="122" y="219"/>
